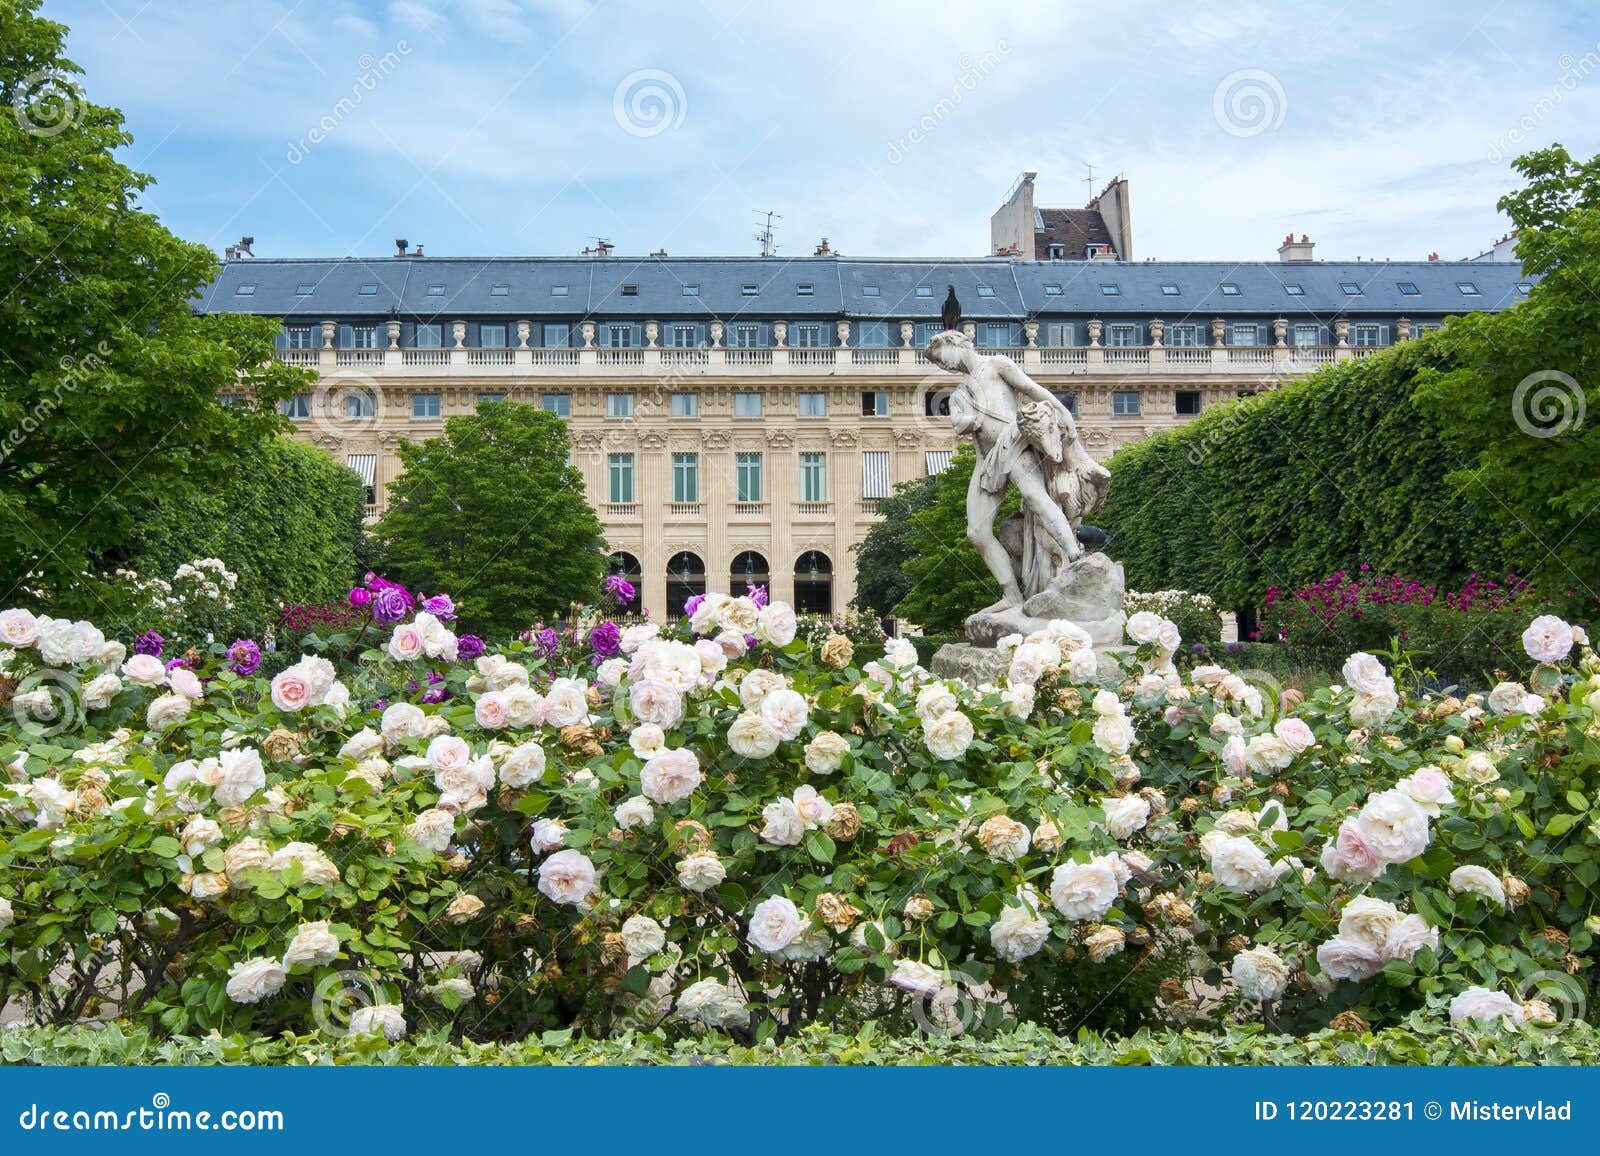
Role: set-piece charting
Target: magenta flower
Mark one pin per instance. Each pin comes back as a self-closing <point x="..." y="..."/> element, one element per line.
<point x="244" y="658"/>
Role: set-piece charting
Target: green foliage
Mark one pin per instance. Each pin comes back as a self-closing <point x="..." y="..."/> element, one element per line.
<point x="492" y="513"/>
<point x="1518" y="397"/>
<point x="109" y="382"/>
<point x="1420" y="1039"/>
<point x="949" y="581"/>
<point x="286" y="520"/>
<point x="881" y="557"/>
<point x="1319" y="475"/>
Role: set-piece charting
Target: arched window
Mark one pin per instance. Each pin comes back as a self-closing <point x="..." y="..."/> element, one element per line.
<point x="686" y="577"/>
<point x="748" y="569"/>
<point x="625" y="565"/>
<point x="813" y="583"/>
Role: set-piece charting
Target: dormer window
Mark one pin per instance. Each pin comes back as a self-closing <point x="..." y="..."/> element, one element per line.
<point x="1057" y="251"/>
<point x="804" y="289"/>
<point x="1052" y="290"/>
<point x="436" y="290"/>
<point x="748" y="290"/>
<point x="1524" y="288"/>
<point x="304" y="289"/>
<point x="1170" y="290"/>
<point x="691" y="290"/>
<point x="1409" y="288"/>
<point x="924" y="290"/>
<point x="1295" y="290"/>
<point x="869" y="291"/>
<point x="1110" y="291"/>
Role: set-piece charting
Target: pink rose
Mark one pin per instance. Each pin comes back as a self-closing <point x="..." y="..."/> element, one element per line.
<point x="1349" y="858"/>
<point x="406" y="644"/>
<point x="144" y="670"/>
<point x="291" y="690"/>
<point x="1295" y="734"/>
<point x="491" y="710"/>
<point x="670" y="776"/>
<point x="448" y="752"/>
<point x="1233" y="755"/>
<point x="185" y="681"/>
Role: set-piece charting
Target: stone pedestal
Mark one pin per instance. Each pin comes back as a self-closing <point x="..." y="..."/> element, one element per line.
<point x="1087" y="593"/>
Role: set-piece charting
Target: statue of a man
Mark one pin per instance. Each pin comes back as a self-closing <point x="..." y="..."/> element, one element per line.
<point x="1024" y="437"/>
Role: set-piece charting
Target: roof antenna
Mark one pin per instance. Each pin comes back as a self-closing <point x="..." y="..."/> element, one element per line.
<point x="1089" y="180"/>
<point x="769" y="246"/>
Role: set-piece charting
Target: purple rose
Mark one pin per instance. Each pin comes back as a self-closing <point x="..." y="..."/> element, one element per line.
<point x="244" y="658"/>
<point x="618" y="588"/>
<point x="438" y="694"/>
<point x="389" y="605"/>
<point x="692" y="604"/>
<point x="177" y="662"/>
<point x="606" y="640"/>
<point x="440" y="607"/>
<point x="547" y="640"/>
<point x="469" y="647"/>
<point x="149" y="643"/>
<point x="360" y="596"/>
<point x="758" y="595"/>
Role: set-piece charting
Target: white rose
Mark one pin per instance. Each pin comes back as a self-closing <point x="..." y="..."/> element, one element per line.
<point x="1479" y="1003"/>
<point x="643" y="936"/>
<point x="1475" y="880"/>
<point x="1018" y="700"/>
<point x="253" y="980"/>
<point x="198" y="835"/>
<point x="101" y="690"/>
<point x="812" y="808"/>
<point x="774" y="924"/>
<point x="402" y="720"/>
<point x="670" y="775"/>
<point x="1143" y="627"/>
<point x="433" y="829"/>
<point x="1393" y="826"/>
<point x="1004" y="838"/>
<point x="712" y="1003"/>
<point x="1295" y="734"/>
<point x="1168" y="637"/>
<point x="637" y="635"/>
<point x="547" y="835"/>
<point x="1547" y="639"/>
<point x="385" y="1019"/>
<point x="1409" y="936"/>
<point x="1429" y="788"/>
<point x="313" y="945"/>
<point x="316" y="868"/>
<point x="646" y="739"/>
<point x="566" y="703"/>
<point x="523" y="766"/>
<point x="935" y="699"/>
<point x="1366" y="675"/>
<point x="785" y="711"/>
<point x="701" y="871"/>
<point x="656" y="703"/>
<point x="145" y="670"/>
<point x="781" y="823"/>
<point x="739" y="615"/>
<point x="448" y="753"/>
<point x="406" y="644"/>
<point x="1267" y="754"/>
<point x="1370" y="710"/>
<point x="1083" y="890"/>
<point x="1113" y="734"/>
<point x="776" y="624"/>
<point x="1125" y="814"/>
<point x="611" y="671"/>
<point x="1368" y="921"/>
<point x="825" y="753"/>
<point x="1260" y="975"/>
<point x="948" y="736"/>
<point x="1350" y="959"/>
<point x="239" y="775"/>
<point x="567" y="877"/>
<point x="634" y="812"/>
<point x="757" y="685"/>
<point x="19" y="629"/>
<point x="165" y="711"/>
<point x="362" y="745"/>
<point x="1019" y="932"/>
<point x="1237" y="863"/>
<point x="1508" y="698"/>
<point x="751" y="737"/>
<point x="6" y="913"/>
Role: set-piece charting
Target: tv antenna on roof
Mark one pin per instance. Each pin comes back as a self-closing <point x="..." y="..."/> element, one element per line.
<point x="769" y="246"/>
<point x="1089" y="180"/>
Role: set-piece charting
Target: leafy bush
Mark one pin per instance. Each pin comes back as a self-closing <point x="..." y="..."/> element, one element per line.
<point x="1195" y="615"/>
<point x="688" y="837"/>
<point x="928" y="644"/>
<point x="1419" y="1039"/>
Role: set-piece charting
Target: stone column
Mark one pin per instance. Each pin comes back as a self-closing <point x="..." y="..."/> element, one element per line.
<point x="394" y="334"/>
<point x="1280" y="332"/>
<point x="1158" y="330"/>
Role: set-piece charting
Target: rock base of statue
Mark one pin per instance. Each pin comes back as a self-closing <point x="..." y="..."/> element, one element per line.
<point x="1087" y="592"/>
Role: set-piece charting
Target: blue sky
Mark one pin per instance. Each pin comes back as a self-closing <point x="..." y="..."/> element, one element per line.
<point x="491" y="127"/>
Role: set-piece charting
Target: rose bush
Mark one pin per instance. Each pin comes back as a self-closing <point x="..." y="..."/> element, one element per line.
<point x="723" y="827"/>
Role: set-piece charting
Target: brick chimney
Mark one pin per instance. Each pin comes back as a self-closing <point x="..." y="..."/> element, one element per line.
<point x="1292" y="250"/>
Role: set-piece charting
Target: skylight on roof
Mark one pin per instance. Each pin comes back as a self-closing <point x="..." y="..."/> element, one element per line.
<point x="246" y="290"/>
<point x="1170" y="290"/>
<point x="1229" y="289"/>
<point x="630" y="290"/>
<point x="924" y="290"/>
<point x="1351" y="289"/>
<point x="304" y="289"/>
<point x="1524" y="288"/>
<point x="748" y="290"/>
<point x="1052" y="290"/>
<point x="804" y="289"/>
<point x="985" y="290"/>
<point x="1468" y="288"/>
<point x="436" y="290"/>
<point x="368" y="288"/>
<point x="869" y="291"/>
<point x="500" y="290"/>
<point x="1110" y="290"/>
<point x="559" y="290"/>
<point x="1295" y="290"/>
<point x="1409" y="288"/>
<point x="691" y="290"/>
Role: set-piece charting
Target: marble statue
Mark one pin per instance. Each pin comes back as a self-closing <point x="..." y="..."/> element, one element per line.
<point x="1025" y="438"/>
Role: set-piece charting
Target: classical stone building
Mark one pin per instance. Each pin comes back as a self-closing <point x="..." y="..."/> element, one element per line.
<point x="737" y="420"/>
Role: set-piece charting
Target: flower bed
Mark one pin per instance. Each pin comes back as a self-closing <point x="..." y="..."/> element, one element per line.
<point x="727" y="829"/>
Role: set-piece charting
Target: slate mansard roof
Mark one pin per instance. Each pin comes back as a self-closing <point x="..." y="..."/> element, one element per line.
<point x="834" y="287"/>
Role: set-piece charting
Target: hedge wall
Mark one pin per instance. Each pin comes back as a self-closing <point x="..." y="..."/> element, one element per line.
<point x="1290" y="486"/>
<point x="1425" y="1038"/>
<point x="287" y="521"/>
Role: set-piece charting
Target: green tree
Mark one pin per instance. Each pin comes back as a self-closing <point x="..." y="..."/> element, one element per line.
<point x="287" y="522"/>
<point x="948" y="579"/>
<point x="492" y="514"/>
<point x="1520" y="395"/>
<point x="109" y="381"/>
<point x="881" y="579"/>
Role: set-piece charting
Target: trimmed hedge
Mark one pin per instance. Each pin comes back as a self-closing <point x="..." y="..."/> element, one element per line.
<point x="1424" y="1039"/>
<point x="287" y="521"/>
<point x="1320" y="475"/>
